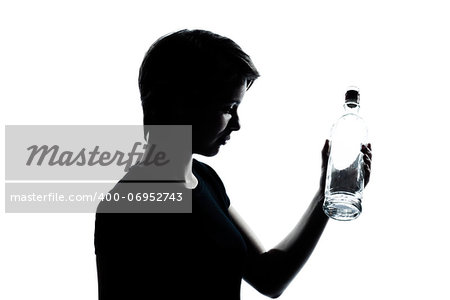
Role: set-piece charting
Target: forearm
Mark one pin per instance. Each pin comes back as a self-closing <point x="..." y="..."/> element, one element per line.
<point x="274" y="270"/>
<point x="305" y="235"/>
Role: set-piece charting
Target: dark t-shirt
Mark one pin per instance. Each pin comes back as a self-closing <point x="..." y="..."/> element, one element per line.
<point x="200" y="255"/>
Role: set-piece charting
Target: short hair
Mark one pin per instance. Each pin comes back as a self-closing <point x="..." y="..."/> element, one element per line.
<point x="186" y="66"/>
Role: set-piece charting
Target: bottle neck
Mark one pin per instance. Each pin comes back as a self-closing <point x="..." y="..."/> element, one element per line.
<point x="351" y="107"/>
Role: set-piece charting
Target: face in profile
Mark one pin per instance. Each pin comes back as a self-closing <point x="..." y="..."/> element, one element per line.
<point x="212" y="125"/>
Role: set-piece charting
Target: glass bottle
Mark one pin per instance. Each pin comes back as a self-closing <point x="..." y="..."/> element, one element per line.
<point x="345" y="174"/>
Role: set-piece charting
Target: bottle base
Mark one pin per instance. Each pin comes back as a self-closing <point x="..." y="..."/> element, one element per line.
<point x="342" y="206"/>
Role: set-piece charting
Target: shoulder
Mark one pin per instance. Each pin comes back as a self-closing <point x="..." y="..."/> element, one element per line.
<point x="205" y="168"/>
<point x="210" y="176"/>
<point x="207" y="171"/>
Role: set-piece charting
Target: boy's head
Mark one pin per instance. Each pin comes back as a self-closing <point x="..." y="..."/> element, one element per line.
<point x="190" y="70"/>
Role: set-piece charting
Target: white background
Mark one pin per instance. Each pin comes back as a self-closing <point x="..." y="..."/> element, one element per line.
<point x="77" y="63"/>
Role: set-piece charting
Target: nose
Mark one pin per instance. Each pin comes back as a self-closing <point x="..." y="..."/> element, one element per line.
<point x="234" y="123"/>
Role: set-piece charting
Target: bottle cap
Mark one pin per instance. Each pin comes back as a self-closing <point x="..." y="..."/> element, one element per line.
<point x="352" y="95"/>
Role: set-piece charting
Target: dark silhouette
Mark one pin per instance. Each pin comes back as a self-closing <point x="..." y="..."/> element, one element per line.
<point x="199" y="78"/>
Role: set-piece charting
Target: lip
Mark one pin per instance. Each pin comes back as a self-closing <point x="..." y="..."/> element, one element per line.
<point x="224" y="140"/>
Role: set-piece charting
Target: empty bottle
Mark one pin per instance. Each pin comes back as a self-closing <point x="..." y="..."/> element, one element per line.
<point x="345" y="175"/>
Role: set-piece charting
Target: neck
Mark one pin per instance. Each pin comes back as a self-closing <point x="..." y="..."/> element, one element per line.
<point x="182" y="171"/>
<point x="351" y="107"/>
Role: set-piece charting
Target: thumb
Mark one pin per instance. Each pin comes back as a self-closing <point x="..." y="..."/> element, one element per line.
<point x="325" y="153"/>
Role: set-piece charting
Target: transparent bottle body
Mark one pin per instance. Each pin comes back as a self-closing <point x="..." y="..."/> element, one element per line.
<point x="345" y="175"/>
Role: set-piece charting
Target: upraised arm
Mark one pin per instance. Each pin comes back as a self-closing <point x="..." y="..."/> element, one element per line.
<point x="271" y="272"/>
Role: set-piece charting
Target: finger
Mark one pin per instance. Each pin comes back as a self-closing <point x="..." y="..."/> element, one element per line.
<point x="367" y="162"/>
<point x="326" y="146"/>
<point x="326" y="149"/>
<point x="366" y="150"/>
<point x="367" y="172"/>
<point x="369" y="153"/>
